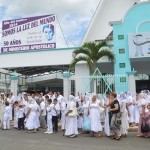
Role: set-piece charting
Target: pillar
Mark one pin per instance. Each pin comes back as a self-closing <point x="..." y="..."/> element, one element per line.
<point x="132" y="84"/>
<point x="82" y="78"/>
<point x="14" y="83"/>
<point x="66" y="84"/>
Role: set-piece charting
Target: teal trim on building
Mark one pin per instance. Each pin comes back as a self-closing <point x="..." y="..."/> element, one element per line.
<point x="136" y="20"/>
<point x="34" y="51"/>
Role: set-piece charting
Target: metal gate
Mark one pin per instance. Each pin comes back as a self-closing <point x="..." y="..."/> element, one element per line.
<point x="98" y="83"/>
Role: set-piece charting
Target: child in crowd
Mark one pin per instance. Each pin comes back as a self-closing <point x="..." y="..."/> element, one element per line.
<point x="49" y="116"/>
<point x="20" y="117"/>
<point x="6" y="116"/>
<point x="55" y="112"/>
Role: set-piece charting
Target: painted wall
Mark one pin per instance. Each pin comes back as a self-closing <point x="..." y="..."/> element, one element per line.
<point x="137" y="14"/>
<point x="107" y="11"/>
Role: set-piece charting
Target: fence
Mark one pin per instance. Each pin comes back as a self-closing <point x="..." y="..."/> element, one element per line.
<point x="105" y="83"/>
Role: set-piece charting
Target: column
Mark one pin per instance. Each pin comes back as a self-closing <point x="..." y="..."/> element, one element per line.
<point x="66" y="84"/>
<point x="82" y="78"/>
<point x="14" y="84"/>
<point x="132" y="84"/>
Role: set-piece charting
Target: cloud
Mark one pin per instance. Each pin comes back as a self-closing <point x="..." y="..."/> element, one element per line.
<point x="73" y="15"/>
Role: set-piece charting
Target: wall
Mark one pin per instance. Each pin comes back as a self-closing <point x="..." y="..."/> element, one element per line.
<point x="129" y="24"/>
<point x="107" y="11"/>
<point x="81" y="71"/>
<point x="36" y="58"/>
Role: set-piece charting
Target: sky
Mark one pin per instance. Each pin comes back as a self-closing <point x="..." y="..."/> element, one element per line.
<point x="74" y="16"/>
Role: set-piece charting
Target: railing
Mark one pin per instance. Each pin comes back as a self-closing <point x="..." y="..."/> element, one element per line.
<point x="103" y="84"/>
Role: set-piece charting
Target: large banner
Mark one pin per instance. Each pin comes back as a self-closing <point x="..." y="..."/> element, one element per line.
<point x="34" y="33"/>
<point x="139" y="45"/>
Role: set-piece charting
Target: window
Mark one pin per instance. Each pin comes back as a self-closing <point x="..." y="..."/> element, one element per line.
<point x="122" y="65"/>
<point x="121" y="50"/>
<point x="120" y="37"/>
<point x="122" y="79"/>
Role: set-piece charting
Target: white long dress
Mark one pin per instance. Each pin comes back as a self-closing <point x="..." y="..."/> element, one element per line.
<point x="10" y="104"/>
<point x="137" y="113"/>
<point x="16" y="117"/>
<point x="124" y="118"/>
<point x="31" y="120"/>
<point x="131" y="109"/>
<point x="63" y="117"/>
<point x="106" y="125"/>
<point x="85" y="108"/>
<point x="2" y="107"/>
<point x="95" y="118"/>
<point x="80" y="116"/>
<point x="37" y="116"/>
<point x="71" y="122"/>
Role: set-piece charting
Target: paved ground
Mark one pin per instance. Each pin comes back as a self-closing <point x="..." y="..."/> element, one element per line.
<point x="21" y="140"/>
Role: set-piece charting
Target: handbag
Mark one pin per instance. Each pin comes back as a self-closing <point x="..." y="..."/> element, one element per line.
<point x="118" y="120"/>
<point x="145" y="126"/>
<point x="73" y="113"/>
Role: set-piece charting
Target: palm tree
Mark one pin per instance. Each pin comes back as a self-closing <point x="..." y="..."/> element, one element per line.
<point x="90" y="53"/>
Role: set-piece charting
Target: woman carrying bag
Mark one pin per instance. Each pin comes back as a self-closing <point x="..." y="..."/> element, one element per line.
<point x="115" y="117"/>
<point x="71" y="118"/>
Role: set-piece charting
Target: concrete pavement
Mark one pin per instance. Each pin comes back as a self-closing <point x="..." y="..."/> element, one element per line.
<point x="21" y="140"/>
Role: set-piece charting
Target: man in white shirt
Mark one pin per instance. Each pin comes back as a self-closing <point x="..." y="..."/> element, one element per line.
<point x="42" y="113"/>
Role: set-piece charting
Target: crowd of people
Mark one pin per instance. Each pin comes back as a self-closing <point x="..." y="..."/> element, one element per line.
<point x="84" y="113"/>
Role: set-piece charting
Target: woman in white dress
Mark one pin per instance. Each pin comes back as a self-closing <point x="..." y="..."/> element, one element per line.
<point x="63" y="111"/>
<point x="16" y="106"/>
<point x="86" y="117"/>
<point x="142" y="106"/>
<point x="95" y="117"/>
<point x="80" y="114"/>
<point x="31" y="116"/>
<point x="137" y="114"/>
<point x="130" y="108"/>
<point x="37" y="116"/>
<point x="71" y="118"/>
<point x="85" y="108"/>
<point x="2" y="107"/>
<point x="8" y="99"/>
<point x="124" y="116"/>
<point x="107" y="122"/>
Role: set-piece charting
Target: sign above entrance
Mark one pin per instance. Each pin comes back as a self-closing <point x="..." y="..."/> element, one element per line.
<point x="34" y="33"/>
<point x="139" y="45"/>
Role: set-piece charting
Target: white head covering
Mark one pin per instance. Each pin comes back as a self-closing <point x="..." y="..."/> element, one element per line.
<point x="129" y="94"/>
<point x="31" y="101"/>
<point x="92" y="95"/>
<point x="72" y="98"/>
<point x="142" y="95"/>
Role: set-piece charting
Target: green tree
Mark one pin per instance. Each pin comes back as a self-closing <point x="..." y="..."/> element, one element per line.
<point x="91" y="52"/>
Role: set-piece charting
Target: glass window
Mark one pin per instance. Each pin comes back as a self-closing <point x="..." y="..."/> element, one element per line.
<point x="122" y="79"/>
<point x="122" y="65"/>
<point x="121" y="50"/>
<point x="120" y="37"/>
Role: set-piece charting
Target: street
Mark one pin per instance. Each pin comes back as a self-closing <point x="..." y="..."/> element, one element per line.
<point x="21" y="140"/>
